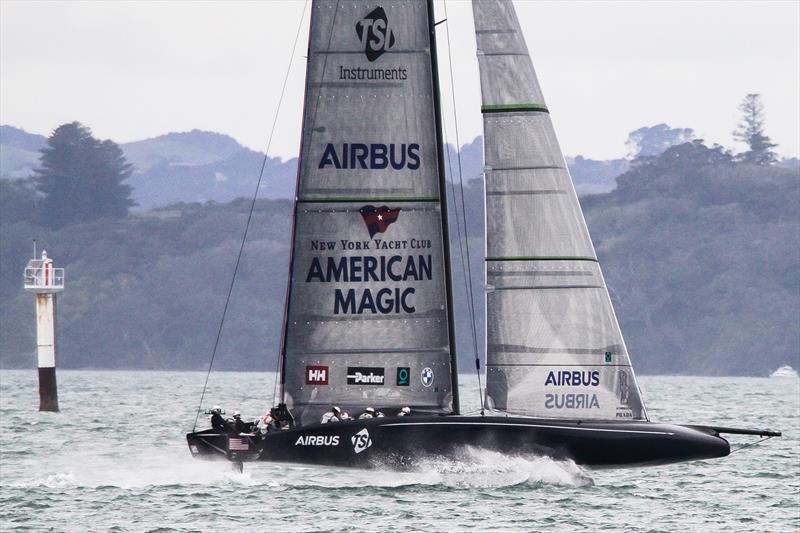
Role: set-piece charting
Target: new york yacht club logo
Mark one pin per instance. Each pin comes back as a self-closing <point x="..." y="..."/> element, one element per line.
<point x="378" y="219"/>
<point x="375" y="34"/>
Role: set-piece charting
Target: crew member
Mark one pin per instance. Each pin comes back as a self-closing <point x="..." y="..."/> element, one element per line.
<point x="264" y="423"/>
<point x="286" y="415"/>
<point x="369" y="412"/>
<point x="217" y="422"/>
<point x="334" y="415"/>
<point x="405" y="411"/>
<point x="238" y="424"/>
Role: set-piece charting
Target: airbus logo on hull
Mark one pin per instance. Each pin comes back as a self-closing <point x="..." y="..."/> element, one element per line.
<point x="317" y="440"/>
<point x="375" y="34"/>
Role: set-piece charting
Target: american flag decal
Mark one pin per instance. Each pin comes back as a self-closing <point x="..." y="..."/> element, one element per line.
<point x="238" y="444"/>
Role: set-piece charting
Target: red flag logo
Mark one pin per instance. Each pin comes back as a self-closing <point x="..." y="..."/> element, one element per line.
<point x="378" y="219"/>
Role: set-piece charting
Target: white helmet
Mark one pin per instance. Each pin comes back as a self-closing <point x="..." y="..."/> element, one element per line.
<point x="370" y="410"/>
<point x="216" y="409"/>
<point x="236" y="414"/>
<point x="406" y="410"/>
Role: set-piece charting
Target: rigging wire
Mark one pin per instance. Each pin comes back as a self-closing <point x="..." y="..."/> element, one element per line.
<point x="749" y="445"/>
<point x="249" y="218"/>
<point x="466" y="265"/>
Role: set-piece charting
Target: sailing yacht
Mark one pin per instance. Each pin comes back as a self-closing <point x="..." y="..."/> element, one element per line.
<point x="369" y="313"/>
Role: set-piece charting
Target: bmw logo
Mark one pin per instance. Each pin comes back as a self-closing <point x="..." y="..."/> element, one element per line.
<point x="427" y="376"/>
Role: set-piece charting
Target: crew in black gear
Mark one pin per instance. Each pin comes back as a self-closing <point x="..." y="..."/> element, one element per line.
<point x="218" y="422"/>
<point x="281" y="417"/>
<point x="238" y="425"/>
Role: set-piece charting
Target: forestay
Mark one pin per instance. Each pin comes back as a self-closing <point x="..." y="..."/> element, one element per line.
<point x="367" y="321"/>
<point x="554" y="347"/>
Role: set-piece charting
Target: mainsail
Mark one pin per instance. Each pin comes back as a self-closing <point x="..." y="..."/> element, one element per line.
<point x="367" y="319"/>
<point x="554" y="347"/>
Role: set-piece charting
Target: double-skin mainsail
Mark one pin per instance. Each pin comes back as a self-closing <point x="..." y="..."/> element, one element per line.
<point x="368" y="319"/>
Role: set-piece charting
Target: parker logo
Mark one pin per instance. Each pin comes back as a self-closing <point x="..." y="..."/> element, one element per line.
<point x="316" y="375"/>
<point x="361" y="441"/>
<point x="378" y="219"/>
<point x="361" y="375"/>
<point x="375" y="34"/>
<point x="317" y="440"/>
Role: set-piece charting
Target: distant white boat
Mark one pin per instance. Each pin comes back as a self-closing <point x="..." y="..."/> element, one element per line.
<point x="784" y="372"/>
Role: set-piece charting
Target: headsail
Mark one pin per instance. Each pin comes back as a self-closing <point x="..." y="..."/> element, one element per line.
<point x="554" y="347"/>
<point x="367" y="312"/>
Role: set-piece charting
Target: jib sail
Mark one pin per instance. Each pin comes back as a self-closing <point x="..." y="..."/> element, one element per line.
<point x="554" y="347"/>
<point x="367" y="315"/>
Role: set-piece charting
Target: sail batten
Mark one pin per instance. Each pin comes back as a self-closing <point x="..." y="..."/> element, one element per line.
<point x="554" y="347"/>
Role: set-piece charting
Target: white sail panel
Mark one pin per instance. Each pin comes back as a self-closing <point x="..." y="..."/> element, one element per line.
<point x="367" y="317"/>
<point x="554" y="347"/>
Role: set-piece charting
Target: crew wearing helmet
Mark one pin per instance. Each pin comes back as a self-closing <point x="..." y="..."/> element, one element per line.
<point x="405" y="411"/>
<point x="334" y="415"/>
<point x="217" y="422"/>
<point x="369" y="412"/>
<point x="237" y="423"/>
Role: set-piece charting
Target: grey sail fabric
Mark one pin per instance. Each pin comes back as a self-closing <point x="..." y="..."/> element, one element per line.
<point x="554" y="347"/>
<point x="367" y="320"/>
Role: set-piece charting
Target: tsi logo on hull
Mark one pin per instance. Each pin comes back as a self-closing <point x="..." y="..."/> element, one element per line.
<point x="361" y="441"/>
<point x="365" y="375"/>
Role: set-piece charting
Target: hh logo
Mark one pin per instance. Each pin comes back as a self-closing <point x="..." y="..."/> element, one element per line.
<point x="374" y="33"/>
<point x="316" y="375"/>
<point x="361" y="441"/>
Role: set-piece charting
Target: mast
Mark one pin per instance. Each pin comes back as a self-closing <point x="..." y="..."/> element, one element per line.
<point x="284" y="330"/>
<point x="437" y="107"/>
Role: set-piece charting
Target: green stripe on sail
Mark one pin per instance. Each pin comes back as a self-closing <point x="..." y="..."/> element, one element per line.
<point x="542" y="258"/>
<point x="508" y="108"/>
<point x="364" y="199"/>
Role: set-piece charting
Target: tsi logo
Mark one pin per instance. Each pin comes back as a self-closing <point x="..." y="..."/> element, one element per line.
<point x="363" y="375"/>
<point x="361" y="441"/>
<point x="374" y="33"/>
<point x="316" y="375"/>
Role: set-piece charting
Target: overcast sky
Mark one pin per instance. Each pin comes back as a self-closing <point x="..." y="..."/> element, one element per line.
<point x="133" y="70"/>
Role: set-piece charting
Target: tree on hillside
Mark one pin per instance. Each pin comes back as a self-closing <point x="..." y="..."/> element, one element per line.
<point x="654" y="140"/>
<point x="751" y="131"/>
<point x="81" y="177"/>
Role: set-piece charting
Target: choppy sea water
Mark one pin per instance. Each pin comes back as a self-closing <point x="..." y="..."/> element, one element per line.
<point x="115" y="459"/>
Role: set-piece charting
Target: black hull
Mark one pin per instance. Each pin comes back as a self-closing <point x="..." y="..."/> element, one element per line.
<point x="402" y="442"/>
